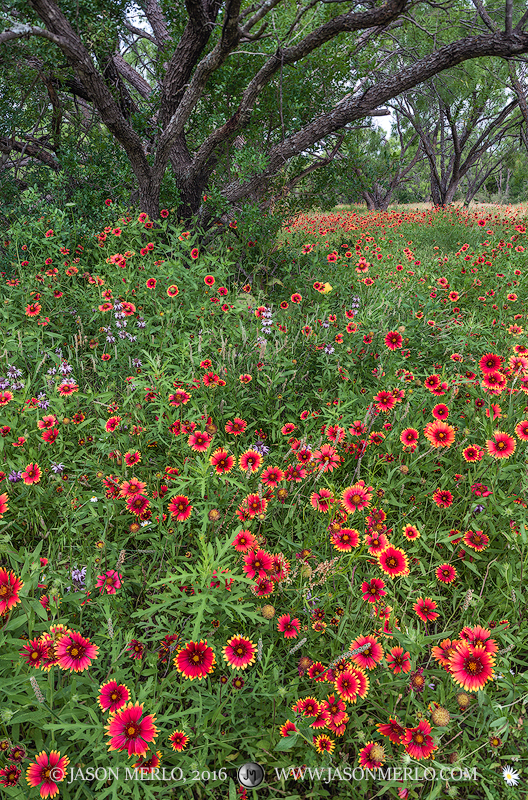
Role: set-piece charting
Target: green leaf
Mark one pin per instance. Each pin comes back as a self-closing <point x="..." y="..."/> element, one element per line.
<point x="287" y="742"/>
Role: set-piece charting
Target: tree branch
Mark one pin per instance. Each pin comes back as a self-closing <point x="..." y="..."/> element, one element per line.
<point x="132" y="76"/>
<point x="143" y="34"/>
<point x="83" y="67"/>
<point x="35" y="151"/>
<point x="157" y="22"/>
<point x="448" y="56"/>
<point x="287" y="56"/>
<point x="485" y="16"/>
<point x="17" y="31"/>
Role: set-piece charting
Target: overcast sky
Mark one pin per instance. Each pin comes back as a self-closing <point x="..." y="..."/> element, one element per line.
<point x="384" y="123"/>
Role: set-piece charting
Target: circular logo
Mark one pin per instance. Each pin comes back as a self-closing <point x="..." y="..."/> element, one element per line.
<point x="250" y="775"/>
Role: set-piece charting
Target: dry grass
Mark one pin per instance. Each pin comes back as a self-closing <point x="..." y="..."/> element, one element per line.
<point x="473" y="206"/>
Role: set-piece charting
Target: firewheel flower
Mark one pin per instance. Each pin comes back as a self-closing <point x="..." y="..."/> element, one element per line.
<point x="110" y="580"/>
<point x="74" y="652"/>
<point x="323" y="743"/>
<point x="31" y="474"/>
<point x="471" y="667"/>
<point x="373" y="590"/>
<point x="180" y="508"/>
<point x="257" y="563"/>
<point x="10" y="586"/>
<point x="357" y="497"/>
<point x="345" y="539"/>
<point x="371" y="651"/>
<point x="128" y="731"/>
<point x="439" y="434"/>
<point x="393" y="562"/>
<point x="445" y="573"/>
<point x="195" y="660"/>
<point x="10" y="775"/>
<point x="393" y="340"/>
<point x="113" y="696"/>
<point x="398" y="660"/>
<point x="239" y="652"/>
<point x="244" y="541"/>
<point x="417" y="741"/>
<point x="178" y="740"/>
<point x="425" y="609"/>
<point x="372" y="755"/>
<point x="502" y="447"/>
<point x="48" y="771"/>
<point x="288" y="626"/>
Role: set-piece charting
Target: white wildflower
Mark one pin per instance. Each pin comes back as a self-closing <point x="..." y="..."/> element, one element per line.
<point x="511" y="777"/>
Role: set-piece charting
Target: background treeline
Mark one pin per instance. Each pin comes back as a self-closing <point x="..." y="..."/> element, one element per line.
<point x="225" y="110"/>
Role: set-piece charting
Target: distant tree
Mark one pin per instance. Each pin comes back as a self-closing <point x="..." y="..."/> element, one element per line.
<point x="459" y="118"/>
<point x="387" y="168"/>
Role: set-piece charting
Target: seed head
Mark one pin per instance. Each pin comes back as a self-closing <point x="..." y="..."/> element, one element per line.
<point x="268" y="611"/>
<point x="440" y="716"/>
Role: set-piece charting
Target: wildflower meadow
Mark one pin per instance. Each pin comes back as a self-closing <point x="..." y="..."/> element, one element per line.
<point x="265" y="505"/>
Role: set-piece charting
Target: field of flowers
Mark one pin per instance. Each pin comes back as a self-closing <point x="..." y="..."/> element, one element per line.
<point x="276" y="518"/>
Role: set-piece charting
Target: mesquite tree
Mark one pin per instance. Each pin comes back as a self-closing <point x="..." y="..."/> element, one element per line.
<point x="226" y="92"/>
<point x="457" y="124"/>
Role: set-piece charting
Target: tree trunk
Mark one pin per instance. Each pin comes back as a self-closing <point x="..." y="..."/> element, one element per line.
<point x="451" y="191"/>
<point x="367" y="197"/>
<point x="436" y="193"/>
<point x="149" y="192"/>
<point x="507" y="191"/>
<point x="375" y="199"/>
<point x="386" y="202"/>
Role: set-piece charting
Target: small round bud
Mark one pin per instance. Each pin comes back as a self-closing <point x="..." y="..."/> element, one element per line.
<point x="268" y="611"/>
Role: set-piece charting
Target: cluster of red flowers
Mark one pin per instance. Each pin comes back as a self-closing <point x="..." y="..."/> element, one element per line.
<point x="468" y="659"/>
<point x="418" y="742"/>
<point x="266" y="569"/>
<point x="197" y="659"/>
<point x="350" y="682"/>
<point x="65" y="648"/>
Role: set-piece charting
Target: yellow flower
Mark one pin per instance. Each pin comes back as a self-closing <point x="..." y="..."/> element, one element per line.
<point x="327" y="288"/>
